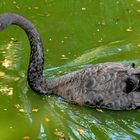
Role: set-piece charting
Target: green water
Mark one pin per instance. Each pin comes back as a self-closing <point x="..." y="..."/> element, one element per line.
<point x="75" y="33"/>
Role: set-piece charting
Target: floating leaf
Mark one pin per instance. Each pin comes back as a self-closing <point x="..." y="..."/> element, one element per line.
<point x="21" y="110"/>
<point x="59" y="134"/>
<point x="47" y="119"/>
<point x="34" y="110"/>
<point x="13" y="39"/>
<point x="83" y="8"/>
<point x="6" y="91"/>
<point x="80" y="131"/>
<point x="17" y="6"/>
<point x="26" y="138"/>
<point x="63" y="55"/>
<point x="10" y="92"/>
<point x="16" y="78"/>
<point x="17" y="105"/>
<point x="129" y="29"/>
<point x="2" y="74"/>
<point x="6" y="63"/>
<point x="99" y="110"/>
<point x="138" y="11"/>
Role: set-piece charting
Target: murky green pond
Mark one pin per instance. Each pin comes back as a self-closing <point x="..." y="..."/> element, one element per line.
<point x="75" y="33"/>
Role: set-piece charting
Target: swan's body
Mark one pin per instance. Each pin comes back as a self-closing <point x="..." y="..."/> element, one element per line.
<point x="109" y="85"/>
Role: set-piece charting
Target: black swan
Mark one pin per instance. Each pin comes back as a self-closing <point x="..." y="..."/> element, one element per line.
<point x="109" y="85"/>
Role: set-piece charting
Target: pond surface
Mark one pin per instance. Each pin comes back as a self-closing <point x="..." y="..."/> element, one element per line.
<point x="75" y="33"/>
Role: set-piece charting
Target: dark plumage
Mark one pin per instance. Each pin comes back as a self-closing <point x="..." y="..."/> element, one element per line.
<point x="109" y="85"/>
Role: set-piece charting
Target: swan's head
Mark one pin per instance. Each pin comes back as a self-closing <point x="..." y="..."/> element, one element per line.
<point x="4" y="21"/>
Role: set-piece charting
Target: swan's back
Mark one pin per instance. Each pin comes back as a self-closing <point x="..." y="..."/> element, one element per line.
<point x="107" y="85"/>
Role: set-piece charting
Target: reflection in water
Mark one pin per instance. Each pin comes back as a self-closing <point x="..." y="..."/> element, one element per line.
<point x="109" y="124"/>
<point x="135" y="127"/>
<point x="26" y="102"/>
<point x="102" y="52"/>
<point x="42" y="135"/>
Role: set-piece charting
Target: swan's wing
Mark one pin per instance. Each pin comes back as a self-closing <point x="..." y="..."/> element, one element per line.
<point x="110" y="85"/>
<point x="103" y="85"/>
<point x="106" y="77"/>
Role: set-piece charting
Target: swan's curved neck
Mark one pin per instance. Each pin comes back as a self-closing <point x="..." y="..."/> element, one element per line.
<point x="35" y="70"/>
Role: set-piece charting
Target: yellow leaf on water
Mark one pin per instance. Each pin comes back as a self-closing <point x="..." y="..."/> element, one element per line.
<point x="17" y="105"/>
<point x="34" y="110"/>
<point x="99" y="110"/>
<point x="2" y="74"/>
<point x="12" y="39"/>
<point x="21" y="110"/>
<point x="10" y="92"/>
<point x="59" y="134"/>
<point x="16" y="78"/>
<point x="17" y="6"/>
<point x="129" y="29"/>
<point x="26" y="138"/>
<point x="47" y="119"/>
<point x="83" y="8"/>
<point x="7" y="63"/>
<point x="6" y="91"/>
<point x="80" y="131"/>
<point x="138" y="11"/>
